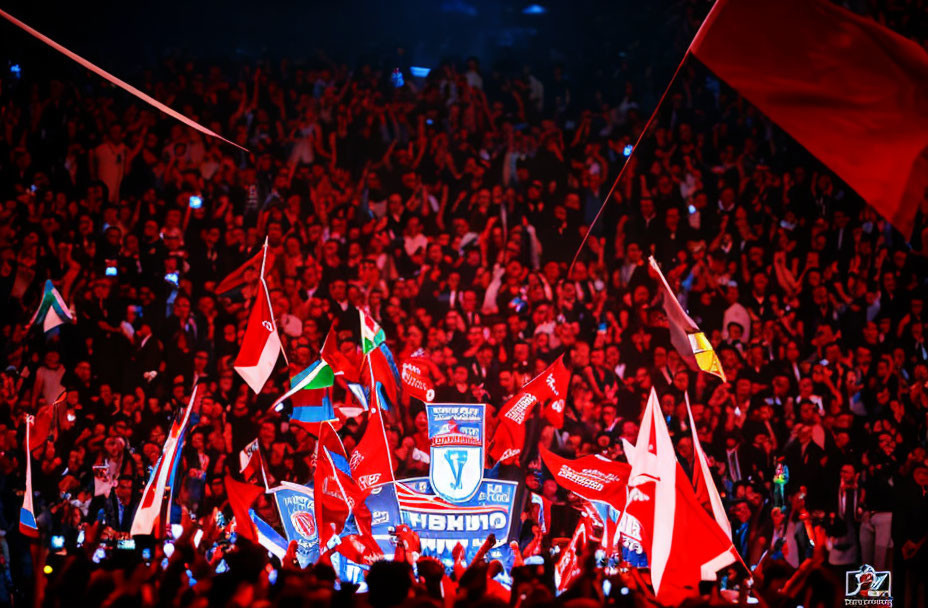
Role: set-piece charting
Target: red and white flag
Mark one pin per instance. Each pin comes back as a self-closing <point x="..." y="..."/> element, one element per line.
<point x="251" y="464"/>
<point x="683" y="543"/>
<point x="27" y="523"/>
<point x="261" y="346"/>
<point x="149" y="512"/>
<point x="548" y="388"/>
<point x="371" y="462"/>
<point x="703" y="483"/>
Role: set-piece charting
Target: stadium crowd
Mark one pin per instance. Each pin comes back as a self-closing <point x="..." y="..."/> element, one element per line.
<point x="450" y="209"/>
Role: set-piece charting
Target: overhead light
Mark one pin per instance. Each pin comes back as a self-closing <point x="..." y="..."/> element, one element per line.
<point x="534" y="9"/>
<point x="419" y="72"/>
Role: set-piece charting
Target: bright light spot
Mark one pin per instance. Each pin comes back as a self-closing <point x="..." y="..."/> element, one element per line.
<point x="47" y="569"/>
<point x="628" y="150"/>
<point x="419" y="72"/>
<point x="168" y="549"/>
<point x="15" y="69"/>
<point x="534" y="9"/>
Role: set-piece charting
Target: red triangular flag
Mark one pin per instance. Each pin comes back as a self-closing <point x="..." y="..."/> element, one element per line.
<point x="241" y="497"/>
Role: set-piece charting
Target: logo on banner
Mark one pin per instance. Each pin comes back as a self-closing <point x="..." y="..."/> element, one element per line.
<point x="304" y="523"/>
<point x="456" y="439"/>
<point x="868" y="586"/>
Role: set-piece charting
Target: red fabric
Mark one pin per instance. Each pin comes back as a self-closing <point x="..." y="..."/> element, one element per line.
<point x="852" y="92"/>
<point x="337" y="360"/>
<point x="548" y="388"/>
<point x="590" y="477"/>
<point x="241" y="497"/>
<point x="260" y="326"/>
<point x="371" y="463"/>
<point x="247" y="272"/>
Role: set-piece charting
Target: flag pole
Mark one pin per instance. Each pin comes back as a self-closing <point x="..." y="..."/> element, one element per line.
<point x="267" y="294"/>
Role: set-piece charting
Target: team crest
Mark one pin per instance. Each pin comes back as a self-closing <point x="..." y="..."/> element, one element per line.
<point x="456" y="439"/>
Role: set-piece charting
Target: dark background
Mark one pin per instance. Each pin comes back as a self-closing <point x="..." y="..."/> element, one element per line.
<point x="125" y="37"/>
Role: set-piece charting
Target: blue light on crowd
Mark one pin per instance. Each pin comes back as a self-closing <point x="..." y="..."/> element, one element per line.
<point x="628" y="150"/>
<point x="419" y="72"/>
<point x="534" y="9"/>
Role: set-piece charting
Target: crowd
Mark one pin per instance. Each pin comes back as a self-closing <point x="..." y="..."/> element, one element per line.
<point x="449" y="209"/>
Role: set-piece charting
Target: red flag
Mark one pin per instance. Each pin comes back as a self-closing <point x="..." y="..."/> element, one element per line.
<point x="241" y="497"/>
<point x="27" y="523"/>
<point x="548" y="388"/>
<point x="684" y="544"/>
<point x="331" y="509"/>
<point x="706" y="492"/>
<point x="416" y="376"/>
<point x="371" y="462"/>
<point x="251" y="464"/>
<point x="568" y="568"/>
<point x="590" y="477"/>
<point x="337" y="360"/>
<point x="378" y="366"/>
<point x="246" y="274"/>
<point x="849" y="90"/>
<point x="261" y="346"/>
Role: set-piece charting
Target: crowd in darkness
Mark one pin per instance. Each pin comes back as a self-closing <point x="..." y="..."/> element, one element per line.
<point x="450" y="209"/>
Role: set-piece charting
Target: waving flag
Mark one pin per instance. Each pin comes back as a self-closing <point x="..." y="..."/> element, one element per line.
<point x="241" y="497"/>
<point x="340" y="363"/>
<point x="27" y="523"/>
<point x="548" y="388"/>
<point x="317" y="377"/>
<point x="684" y="544"/>
<point x="372" y="335"/>
<point x="52" y="310"/>
<point x="251" y="464"/>
<point x="705" y="488"/>
<point x="849" y="90"/>
<point x="246" y="274"/>
<point x="268" y="537"/>
<point x="331" y="508"/>
<point x="692" y="344"/>
<point x="594" y="477"/>
<point x="568" y="567"/>
<point x="371" y="462"/>
<point x="416" y="376"/>
<point x="148" y="513"/>
<point x="261" y="347"/>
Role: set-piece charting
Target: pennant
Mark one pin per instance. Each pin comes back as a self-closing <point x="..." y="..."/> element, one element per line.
<point x="548" y="388"/>
<point x="149" y="510"/>
<point x="849" y="90"/>
<point x="268" y="537"/>
<point x="27" y="523"/>
<point x="592" y="477"/>
<point x="241" y="497"/>
<point x="246" y="274"/>
<point x="692" y="344"/>
<point x="372" y="335"/>
<point x="52" y="310"/>
<point x="251" y="463"/>
<point x="116" y="81"/>
<point x="261" y="346"/>
<point x="684" y="544"/>
<point x="371" y="462"/>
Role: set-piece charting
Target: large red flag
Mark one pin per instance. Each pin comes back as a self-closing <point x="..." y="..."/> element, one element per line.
<point x="854" y="93"/>
<point x="683" y="543"/>
<point x="548" y="388"/>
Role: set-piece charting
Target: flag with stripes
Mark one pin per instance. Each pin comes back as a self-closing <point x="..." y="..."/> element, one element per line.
<point x="27" y="523"/>
<point x="52" y="310"/>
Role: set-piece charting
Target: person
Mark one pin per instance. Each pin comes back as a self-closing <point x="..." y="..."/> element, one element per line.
<point x="118" y="510"/>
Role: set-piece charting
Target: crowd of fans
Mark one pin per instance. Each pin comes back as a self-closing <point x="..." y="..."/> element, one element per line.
<point x="450" y="209"/>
